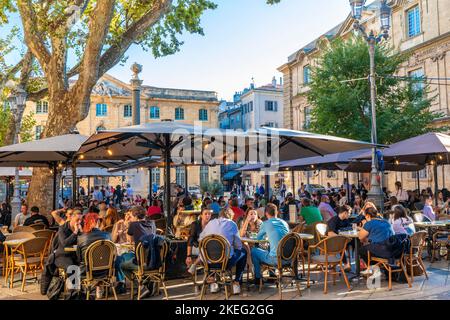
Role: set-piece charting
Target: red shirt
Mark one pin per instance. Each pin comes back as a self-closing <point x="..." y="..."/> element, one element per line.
<point x="238" y="212"/>
<point x="153" y="210"/>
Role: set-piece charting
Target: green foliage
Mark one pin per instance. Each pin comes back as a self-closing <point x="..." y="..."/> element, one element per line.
<point x="214" y="188"/>
<point x="5" y="116"/>
<point x="342" y="107"/>
<point x="26" y="129"/>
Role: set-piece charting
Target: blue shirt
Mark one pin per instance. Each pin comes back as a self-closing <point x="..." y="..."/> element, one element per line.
<point x="226" y="228"/>
<point x="379" y="230"/>
<point x="275" y="229"/>
<point x="215" y="207"/>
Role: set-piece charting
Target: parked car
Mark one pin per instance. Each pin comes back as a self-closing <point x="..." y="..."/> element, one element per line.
<point x="195" y="190"/>
<point x="315" y="188"/>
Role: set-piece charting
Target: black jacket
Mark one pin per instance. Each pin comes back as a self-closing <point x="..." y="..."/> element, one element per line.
<point x="65" y="238"/>
<point x="85" y="240"/>
<point x="153" y="244"/>
<point x="5" y="218"/>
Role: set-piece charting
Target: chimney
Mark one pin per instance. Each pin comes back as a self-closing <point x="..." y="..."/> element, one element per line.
<point x="274" y="82"/>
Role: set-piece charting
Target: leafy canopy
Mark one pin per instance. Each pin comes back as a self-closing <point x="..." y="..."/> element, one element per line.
<point x="342" y="107"/>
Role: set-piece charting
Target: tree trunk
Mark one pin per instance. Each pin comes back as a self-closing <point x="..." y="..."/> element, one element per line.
<point x="62" y="119"/>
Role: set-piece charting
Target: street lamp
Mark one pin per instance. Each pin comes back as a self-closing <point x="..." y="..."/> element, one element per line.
<point x="376" y="192"/>
<point x="17" y="100"/>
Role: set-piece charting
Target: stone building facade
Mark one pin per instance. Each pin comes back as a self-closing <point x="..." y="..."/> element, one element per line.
<point x="111" y="107"/>
<point x="420" y="28"/>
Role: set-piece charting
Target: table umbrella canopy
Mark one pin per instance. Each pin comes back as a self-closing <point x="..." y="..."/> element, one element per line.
<point x="421" y="150"/>
<point x="54" y="149"/>
<point x="300" y="144"/>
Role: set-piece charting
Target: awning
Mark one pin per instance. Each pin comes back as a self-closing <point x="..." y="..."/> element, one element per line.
<point x="231" y="175"/>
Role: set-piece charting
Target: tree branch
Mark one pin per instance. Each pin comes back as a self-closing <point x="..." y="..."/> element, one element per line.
<point x="34" y="41"/>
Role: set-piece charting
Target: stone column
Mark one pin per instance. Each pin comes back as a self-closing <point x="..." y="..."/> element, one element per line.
<point x="136" y="87"/>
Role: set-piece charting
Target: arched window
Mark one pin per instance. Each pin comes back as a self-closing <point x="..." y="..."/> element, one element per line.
<point x="179" y="113"/>
<point x="154" y="112"/>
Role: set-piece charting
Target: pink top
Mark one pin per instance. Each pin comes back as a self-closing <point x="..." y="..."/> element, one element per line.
<point x="153" y="210"/>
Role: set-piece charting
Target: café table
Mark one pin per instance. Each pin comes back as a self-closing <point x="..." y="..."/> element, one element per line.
<point x="71" y="249"/>
<point x="354" y="235"/>
<point x="306" y="236"/>
<point x="253" y="240"/>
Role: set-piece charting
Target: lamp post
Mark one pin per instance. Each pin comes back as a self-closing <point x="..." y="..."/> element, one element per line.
<point x="376" y="192"/>
<point x="17" y="101"/>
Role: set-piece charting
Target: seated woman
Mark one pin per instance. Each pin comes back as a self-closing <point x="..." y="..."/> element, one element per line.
<point x="401" y="222"/>
<point x="110" y="219"/>
<point x="91" y="233"/>
<point x="60" y="216"/>
<point x="120" y="229"/>
<point x="192" y="246"/>
<point x="154" y="211"/>
<point x="250" y="223"/>
<point x="374" y="235"/>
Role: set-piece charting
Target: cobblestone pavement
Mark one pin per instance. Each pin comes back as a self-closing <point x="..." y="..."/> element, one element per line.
<point x="436" y="287"/>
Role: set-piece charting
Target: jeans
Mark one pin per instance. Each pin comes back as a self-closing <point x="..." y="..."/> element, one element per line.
<point x="262" y="256"/>
<point x="238" y="259"/>
<point x="125" y="266"/>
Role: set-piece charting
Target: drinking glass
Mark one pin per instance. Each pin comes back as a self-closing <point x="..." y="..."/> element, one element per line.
<point x="354" y="227"/>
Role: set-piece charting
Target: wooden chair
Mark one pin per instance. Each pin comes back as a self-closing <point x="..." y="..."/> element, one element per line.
<point x="23" y="229"/>
<point x="302" y="254"/>
<point x="7" y="250"/>
<point x="143" y="274"/>
<point x="28" y="257"/>
<point x="46" y="233"/>
<point x="440" y="239"/>
<point x="311" y="229"/>
<point x="385" y="263"/>
<point x="99" y="259"/>
<point x="214" y="253"/>
<point x="38" y="226"/>
<point x="331" y="255"/>
<point x="321" y="230"/>
<point x="414" y="258"/>
<point x="287" y="252"/>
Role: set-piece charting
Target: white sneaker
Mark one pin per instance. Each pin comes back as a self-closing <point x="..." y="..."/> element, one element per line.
<point x="236" y="289"/>
<point x="192" y="269"/>
<point x="214" y="287"/>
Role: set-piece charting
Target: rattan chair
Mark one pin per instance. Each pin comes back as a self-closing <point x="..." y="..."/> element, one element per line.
<point x="440" y="239"/>
<point x="38" y="226"/>
<point x="385" y="263"/>
<point x="28" y="257"/>
<point x="7" y="251"/>
<point x="414" y="258"/>
<point x="144" y="275"/>
<point x="214" y="253"/>
<point x="23" y="229"/>
<point x="99" y="258"/>
<point x="287" y="252"/>
<point x="311" y="229"/>
<point x="321" y="230"/>
<point x="46" y="233"/>
<point x="331" y="255"/>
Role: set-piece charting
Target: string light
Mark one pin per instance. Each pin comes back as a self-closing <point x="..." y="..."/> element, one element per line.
<point x="60" y="165"/>
<point x="432" y="162"/>
<point x="108" y="150"/>
<point x="397" y="162"/>
<point x="81" y="157"/>
<point x="441" y="157"/>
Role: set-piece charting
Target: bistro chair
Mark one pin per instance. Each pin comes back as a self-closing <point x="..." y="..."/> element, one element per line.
<point x="287" y="251"/>
<point x="311" y="229"/>
<point x="331" y="255"/>
<point x="440" y="239"/>
<point x="7" y="250"/>
<point x="23" y="229"/>
<point x="38" y="226"/>
<point x="386" y="264"/>
<point x="301" y="252"/>
<point x="144" y="275"/>
<point x="321" y="231"/>
<point x="414" y="258"/>
<point x="28" y="257"/>
<point x="214" y="253"/>
<point x="99" y="259"/>
<point x="49" y="235"/>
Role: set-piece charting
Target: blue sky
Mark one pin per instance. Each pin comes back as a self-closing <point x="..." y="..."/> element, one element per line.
<point x="243" y="39"/>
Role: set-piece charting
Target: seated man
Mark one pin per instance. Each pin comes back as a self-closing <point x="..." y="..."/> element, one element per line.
<point x="325" y="208"/>
<point x="126" y="264"/>
<point x="36" y="218"/>
<point x="338" y="223"/>
<point x="309" y="213"/>
<point x="275" y="229"/>
<point x="227" y="228"/>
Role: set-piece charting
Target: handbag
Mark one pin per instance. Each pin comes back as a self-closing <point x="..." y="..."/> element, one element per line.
<point x="55" y="289"/>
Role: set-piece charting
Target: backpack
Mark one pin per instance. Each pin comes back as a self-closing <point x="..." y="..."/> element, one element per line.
<point x="56" y="288"/>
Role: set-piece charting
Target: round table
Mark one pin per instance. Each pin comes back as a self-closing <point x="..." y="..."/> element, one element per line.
<point x="253" y="241"/>
<point x="354" y="235"/>
<point x="70" y="249"/>
<point x="15" y="242"/>
<point x="306" y="236"/>
<point x="431" y="227"/>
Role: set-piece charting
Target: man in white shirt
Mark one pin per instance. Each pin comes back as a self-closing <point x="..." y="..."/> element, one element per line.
<point x="400" y="194"/>
<point x="227" y="228"/>
<point x="22" y="216"/>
